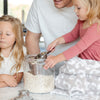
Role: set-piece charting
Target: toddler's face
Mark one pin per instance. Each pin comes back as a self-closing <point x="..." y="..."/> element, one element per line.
<point x="7" y="37"/>
<point x="80" y="10"/>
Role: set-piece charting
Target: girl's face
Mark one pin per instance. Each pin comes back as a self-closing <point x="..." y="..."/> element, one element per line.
<point x="7" y="37"/>
<point x="80" y="10"/>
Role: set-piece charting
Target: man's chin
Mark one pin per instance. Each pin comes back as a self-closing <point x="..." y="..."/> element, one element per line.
<point x="58" y="6"/>
<point x="58" y="3"/>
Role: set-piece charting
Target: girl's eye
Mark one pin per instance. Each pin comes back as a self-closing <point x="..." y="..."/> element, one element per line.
<point x="78" y="8"/>
<point x="0" y="33"/>
<point x="8" y="34"/>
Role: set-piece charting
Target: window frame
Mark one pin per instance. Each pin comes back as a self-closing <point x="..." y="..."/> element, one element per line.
<point x="5" y="7"/>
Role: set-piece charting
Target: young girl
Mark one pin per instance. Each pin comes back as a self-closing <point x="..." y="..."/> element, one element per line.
<point x="87" y="28"/>
<point x="80" y="73"/>
<point x="11" y="51"/>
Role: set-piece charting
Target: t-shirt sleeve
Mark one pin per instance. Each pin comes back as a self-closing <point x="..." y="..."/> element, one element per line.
<point x="87" y="40"/>
<point x="32" y="22"/>
<point x="73" y="35"/>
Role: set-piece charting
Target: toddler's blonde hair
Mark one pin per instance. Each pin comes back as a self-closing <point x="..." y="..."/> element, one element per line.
<point x="17" y="51"/>
<point x="93" y="11"/>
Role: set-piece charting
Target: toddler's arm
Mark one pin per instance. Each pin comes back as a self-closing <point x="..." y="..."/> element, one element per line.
<point x="58" y="41"/>
<point x="67" y="38"/>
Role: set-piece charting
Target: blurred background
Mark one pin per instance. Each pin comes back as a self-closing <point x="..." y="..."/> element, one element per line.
<point x="16" y="8"/>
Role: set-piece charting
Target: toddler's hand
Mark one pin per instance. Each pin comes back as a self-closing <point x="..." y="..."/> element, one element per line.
<point x="9" y="80"/>
<point x="51" y="46"/>
<point x="53" y="60"/>
<point x="50" y="62"/>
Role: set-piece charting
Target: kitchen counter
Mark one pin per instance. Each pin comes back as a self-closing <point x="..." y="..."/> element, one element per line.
<point x="8" y="93"/>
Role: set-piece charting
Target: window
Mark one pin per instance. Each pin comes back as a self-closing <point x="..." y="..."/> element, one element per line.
<point x="1" y="7"/>
<point x="19" y="8"/>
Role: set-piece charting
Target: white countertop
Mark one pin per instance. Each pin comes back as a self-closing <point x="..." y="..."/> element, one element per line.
<point x="8" y="93"/>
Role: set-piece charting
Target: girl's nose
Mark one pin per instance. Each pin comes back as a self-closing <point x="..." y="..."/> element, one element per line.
<point x="2" y="36"/>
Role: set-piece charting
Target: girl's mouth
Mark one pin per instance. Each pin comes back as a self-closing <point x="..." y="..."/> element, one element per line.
<point x="1" y="41"/>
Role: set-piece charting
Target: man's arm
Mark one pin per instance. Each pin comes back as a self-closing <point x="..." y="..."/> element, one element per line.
<point x="32" y="42"/>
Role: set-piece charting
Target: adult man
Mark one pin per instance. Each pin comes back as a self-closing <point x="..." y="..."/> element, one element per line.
<point x="52" y="19"/>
